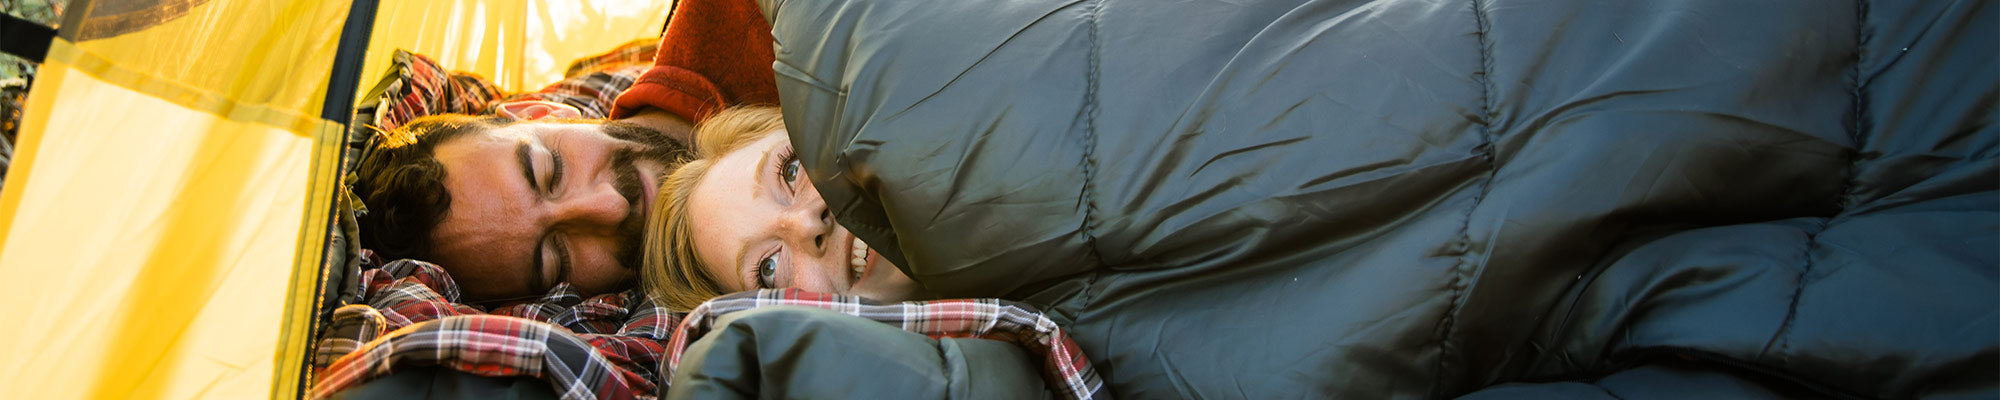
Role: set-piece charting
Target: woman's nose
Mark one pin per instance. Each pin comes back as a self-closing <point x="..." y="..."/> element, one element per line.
<point x="808" y="222"/>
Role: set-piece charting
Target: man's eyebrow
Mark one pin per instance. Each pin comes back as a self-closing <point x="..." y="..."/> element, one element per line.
<point x="535" y="280"/>
<point x="527" y="165"/>
<point x="528" y="173"/>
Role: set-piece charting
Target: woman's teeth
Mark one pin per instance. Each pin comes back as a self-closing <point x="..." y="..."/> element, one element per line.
<point x="858" y="260"/>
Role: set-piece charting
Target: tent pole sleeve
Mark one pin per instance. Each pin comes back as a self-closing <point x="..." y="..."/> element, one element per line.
<point x="339" y="103"/>
<point x="25" y="39"/>
<point x="72" y="19"/>
<point x="347" y="60"/>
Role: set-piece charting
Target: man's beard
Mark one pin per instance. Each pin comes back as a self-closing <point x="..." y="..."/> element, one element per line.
<point x="653" y="146"/>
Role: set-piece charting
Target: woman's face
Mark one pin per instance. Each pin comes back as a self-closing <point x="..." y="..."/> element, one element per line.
<point x="758" y="223"/>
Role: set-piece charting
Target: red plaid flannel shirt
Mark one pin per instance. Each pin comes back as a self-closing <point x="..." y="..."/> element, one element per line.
<point x="590" y="93"/>
<point x="607" y="346"/>
<point x="593" y="83"/>
<point x="611" y="346"/>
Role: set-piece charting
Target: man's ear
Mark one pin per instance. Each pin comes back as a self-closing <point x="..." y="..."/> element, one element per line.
<point x="529" y="110"/>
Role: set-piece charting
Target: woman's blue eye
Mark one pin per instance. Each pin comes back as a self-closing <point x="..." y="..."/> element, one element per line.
<point x="766" y="270"/>
<point x="791" y="172"/>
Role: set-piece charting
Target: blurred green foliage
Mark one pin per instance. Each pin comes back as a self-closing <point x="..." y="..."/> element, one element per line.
<point x="17" y="73"/>
<point x="47" y="12"/>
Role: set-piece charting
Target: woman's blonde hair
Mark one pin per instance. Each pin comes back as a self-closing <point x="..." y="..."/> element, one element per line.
<point x="671" y="272"/>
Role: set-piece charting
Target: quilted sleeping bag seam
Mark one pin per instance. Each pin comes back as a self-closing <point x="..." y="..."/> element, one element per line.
<point x="1857" y="114"/>
<point x="1465" y="274"/>
<point x="1089" y="137"/>
<point x="1088" y="190"/>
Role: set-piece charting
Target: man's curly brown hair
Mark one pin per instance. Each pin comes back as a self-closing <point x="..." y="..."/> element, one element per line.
<point x="401" y="183"/>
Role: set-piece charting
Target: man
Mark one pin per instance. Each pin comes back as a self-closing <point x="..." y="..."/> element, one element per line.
<point x="511" y="209"/>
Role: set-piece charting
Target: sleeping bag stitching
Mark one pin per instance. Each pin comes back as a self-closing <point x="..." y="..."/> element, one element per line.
<point x="1463" y="277"/>
<point x="1089" y="115"/>
<point x="1858" y="93"/>
<point x="1087" y="296"/>
<point x="1854" y="129"/>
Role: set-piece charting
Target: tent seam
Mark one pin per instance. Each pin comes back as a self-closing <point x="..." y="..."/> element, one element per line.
<point x="199" y="99"/>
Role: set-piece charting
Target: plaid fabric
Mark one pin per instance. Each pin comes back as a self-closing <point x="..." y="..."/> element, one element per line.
<point x="592" y="83"/>
<point x="607" y="346"/>
<point x="1064" y="366"/>
<point x="614" y="345"/>
<point x="590" y="93"/>
<point x="418" y="87"/>
<point x="493" y="345"/>
<point x="638" y="52"/>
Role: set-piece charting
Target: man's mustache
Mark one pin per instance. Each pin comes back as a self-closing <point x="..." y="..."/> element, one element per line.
<point x="655" y="147"/>
<point x="632" y="229"/>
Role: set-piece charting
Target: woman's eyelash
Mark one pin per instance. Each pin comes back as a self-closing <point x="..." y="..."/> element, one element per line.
<point x="765" y="282"/>
<point x="785" y="159"/>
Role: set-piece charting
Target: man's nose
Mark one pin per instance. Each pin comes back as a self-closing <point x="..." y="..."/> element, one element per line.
<point x="600" y="207"/>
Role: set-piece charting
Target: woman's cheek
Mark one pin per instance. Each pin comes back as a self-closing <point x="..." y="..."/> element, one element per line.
<point x="809" y="277"/>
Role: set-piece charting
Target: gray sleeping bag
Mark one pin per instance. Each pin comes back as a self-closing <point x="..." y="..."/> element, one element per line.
<point x="1411" y="198"/>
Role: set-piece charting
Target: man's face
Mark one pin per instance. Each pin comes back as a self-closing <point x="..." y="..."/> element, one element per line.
<point x="535" y="204"/>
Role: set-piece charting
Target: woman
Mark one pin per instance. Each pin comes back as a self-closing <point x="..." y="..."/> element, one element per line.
<point x="742" y="215"/>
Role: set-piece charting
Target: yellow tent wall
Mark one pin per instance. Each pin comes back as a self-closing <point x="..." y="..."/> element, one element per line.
<point x="518" y="44"/>
<point x="161" y="226"/>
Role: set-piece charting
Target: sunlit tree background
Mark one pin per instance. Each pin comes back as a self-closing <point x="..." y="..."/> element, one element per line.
<point x="16" y="74"/>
